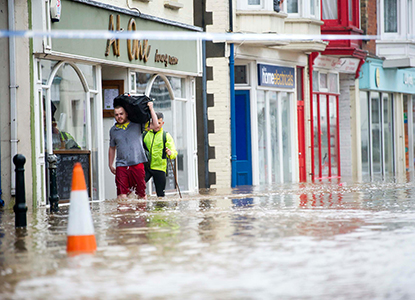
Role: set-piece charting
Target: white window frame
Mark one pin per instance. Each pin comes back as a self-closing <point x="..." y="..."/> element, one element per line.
<point x="90" y="92"/>
<point x="243" y="5"/>
<point x="401" y="20"/>
<point x="304" y="9"/>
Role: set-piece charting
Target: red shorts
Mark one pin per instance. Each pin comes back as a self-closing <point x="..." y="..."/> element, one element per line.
<point x="129" y="179"/>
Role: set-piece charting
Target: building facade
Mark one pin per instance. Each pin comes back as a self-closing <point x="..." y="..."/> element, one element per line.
<point x="73" y="82"/>
<point x="259" y="129"/>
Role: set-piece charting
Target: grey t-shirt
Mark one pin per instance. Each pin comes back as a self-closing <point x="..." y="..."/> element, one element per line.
<point x="129" y="145"/>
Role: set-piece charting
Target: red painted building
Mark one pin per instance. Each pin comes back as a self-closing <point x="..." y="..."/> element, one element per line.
<point x="333" y="73"/>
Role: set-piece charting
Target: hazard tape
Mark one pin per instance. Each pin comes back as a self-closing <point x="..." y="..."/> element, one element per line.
<point x="184" y="35"/>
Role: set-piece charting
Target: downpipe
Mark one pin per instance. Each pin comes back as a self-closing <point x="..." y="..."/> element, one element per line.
<point x="13" y="93"/>
<point x="232" y="95"/>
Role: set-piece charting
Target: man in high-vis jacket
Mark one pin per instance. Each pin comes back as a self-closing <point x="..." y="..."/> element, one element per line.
<point x="160" y="146"/>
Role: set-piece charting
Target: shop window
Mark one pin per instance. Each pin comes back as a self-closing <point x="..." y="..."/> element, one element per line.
<point x="141" y="82"/>
<point x="377" y="135"/>
<point x="275" y="138"/>
<point x="326" y="153"/>
<point x="68" y="110"/>
<point x="178" y="86"/>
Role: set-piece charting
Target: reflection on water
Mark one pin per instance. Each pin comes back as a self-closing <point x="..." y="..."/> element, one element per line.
<point x="306" y="241"/>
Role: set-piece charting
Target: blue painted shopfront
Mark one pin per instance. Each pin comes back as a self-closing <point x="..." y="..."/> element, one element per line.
<point x="387" y="114"/>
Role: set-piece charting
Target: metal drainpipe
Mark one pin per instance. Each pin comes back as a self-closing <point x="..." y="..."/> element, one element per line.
<point x="232" y="94"/>
<point x="13" y="91"/>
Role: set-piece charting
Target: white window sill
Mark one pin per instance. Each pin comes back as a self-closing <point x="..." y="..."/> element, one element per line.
<point x="173" y="5"/>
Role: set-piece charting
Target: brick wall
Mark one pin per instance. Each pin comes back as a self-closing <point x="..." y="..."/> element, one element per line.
<point x="369" y="24"/>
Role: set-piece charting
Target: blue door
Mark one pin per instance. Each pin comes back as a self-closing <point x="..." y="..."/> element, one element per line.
<point x="242" y="134"/>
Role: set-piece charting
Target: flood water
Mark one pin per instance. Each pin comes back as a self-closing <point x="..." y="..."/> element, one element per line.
<point x="309" y="241"/>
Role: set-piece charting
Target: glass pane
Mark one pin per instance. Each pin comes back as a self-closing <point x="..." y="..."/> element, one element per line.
<point x="94" y="148"/>
<point x="292" y="6"/>
<point x="262" y="135"/>
<point x="390" y="9"/>
<point x="254" y="2"/>
<point x="273" y="112"/>
<point x="364" y="123"/>
<point x="333" y="135"/>
<point x="315" y="81"/>
<point x="388" y="132"/>
<point x="330" y="9"/>
<point x="350" y="10"/>
<point x="181" y="144"/>
<point x="300" y="84"/>
<point x="241" y="76"/>
<point x="316" y="138"/>
<point x="47" y="67"/>
<point x="376" y="135"/>
<point x="178" y="86"/>
<point x="68" y="110"/>
<point x="333" y="86"/>
<point x="324" y="137"/>
<point x="89" y="73"/>
<point x="323" y="80"/>
<point x="286" y="136"/>
<point x="161" y="94"/>
<point x="141" y="82"/>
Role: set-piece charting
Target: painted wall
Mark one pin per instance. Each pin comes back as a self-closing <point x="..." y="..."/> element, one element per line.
<point x="161" y="9"/>
<point x="23" y="104"/>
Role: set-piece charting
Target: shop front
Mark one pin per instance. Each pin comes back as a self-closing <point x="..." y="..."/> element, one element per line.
<point x="332" y="80"/>
<point x="76" y="80"/>
<point x="387" y="120"/>
<point x="266" y="109"/>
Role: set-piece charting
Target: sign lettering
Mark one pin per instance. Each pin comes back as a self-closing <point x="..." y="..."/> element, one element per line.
<point x="114" y="42"/>
<point x="275" y="76"/>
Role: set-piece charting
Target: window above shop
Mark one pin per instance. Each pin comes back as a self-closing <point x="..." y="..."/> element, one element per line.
<point x="397" y="29"/>
<point x="344" y="14"/>
<point x="294" y="8"/>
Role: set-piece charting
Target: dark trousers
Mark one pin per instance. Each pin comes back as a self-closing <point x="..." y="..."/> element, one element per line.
<point x="159" y="178"/>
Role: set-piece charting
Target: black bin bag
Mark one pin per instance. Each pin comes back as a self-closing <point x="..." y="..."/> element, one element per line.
<point x="135" y="106"/>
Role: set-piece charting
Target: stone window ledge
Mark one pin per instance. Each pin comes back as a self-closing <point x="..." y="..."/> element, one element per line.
<point x="173" y="5"/>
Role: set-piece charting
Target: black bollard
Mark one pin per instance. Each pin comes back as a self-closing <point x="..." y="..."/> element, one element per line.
<point x="20" y="207"/>
<point x="53" y="196"/>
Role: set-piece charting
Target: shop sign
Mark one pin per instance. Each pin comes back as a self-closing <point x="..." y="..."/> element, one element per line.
<point x="158" y="54"/>
<point x="136" y="50"/>
<point x="408" y="79"/>
<point x="342" y="65"/>
<point x="275" y="76"/>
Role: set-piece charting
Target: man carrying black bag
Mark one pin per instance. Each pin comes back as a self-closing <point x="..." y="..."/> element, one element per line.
<point x="126" y="138"/>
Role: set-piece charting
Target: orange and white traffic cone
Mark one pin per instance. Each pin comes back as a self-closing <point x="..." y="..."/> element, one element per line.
<point x="81" y="237"/>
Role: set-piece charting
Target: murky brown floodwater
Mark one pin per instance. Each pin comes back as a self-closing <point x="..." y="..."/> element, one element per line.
<point x="311" y="241"/>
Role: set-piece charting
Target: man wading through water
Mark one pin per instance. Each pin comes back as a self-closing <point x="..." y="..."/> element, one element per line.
<point x="126" y="138"/>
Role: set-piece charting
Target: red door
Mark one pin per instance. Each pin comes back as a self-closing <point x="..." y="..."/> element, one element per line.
<point x="301" y="124"/>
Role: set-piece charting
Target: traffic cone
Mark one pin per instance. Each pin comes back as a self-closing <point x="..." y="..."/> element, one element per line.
<point x="81" y="237"/>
